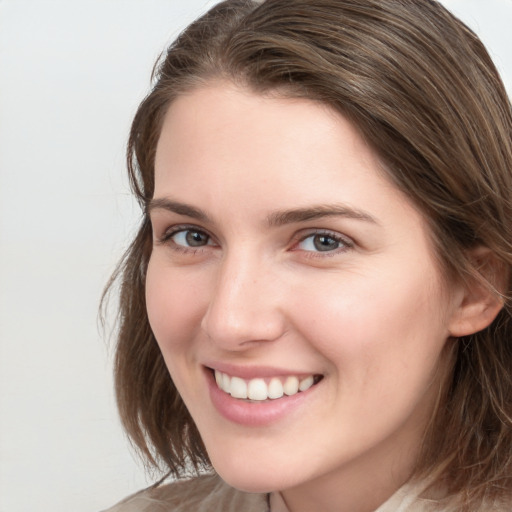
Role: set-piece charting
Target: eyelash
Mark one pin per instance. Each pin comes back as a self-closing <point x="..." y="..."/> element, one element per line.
<point x="345" y="242"/>
<point x="166" y="239"/>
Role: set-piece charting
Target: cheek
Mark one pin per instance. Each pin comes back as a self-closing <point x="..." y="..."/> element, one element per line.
<point x="174" y="305"/>
<point x="371" y="325"/>
<point x="382" y="346"/>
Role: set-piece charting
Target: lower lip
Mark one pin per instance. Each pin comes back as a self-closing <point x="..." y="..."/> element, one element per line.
<point x="254" y="414"/>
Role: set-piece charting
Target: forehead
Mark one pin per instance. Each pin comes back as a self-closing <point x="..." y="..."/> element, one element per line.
<point x="221" y="127"/>
<point x="224" y="114"/>
<point x="220" y="143"/>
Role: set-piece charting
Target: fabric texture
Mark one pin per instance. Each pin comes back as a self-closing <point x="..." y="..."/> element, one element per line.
<point x="208" y="493"/>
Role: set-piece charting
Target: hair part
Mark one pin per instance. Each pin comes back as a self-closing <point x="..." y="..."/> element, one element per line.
<point x="423" y="92"/>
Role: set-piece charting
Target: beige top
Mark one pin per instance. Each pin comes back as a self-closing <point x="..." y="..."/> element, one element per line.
<point x="208" y="493"/>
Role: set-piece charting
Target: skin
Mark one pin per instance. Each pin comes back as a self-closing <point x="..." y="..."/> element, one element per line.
<point x="372" y="315"/>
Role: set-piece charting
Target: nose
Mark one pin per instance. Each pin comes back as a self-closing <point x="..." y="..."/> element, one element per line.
<point x="245" y="306"/>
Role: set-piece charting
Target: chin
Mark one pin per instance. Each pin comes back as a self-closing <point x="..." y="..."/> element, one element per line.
<point x="256" y="478"/>
<point x="251" y="481"/>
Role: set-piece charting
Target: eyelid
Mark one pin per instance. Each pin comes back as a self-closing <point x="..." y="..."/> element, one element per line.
<point x="168" y="233"/>
<point x="347" y="242"/>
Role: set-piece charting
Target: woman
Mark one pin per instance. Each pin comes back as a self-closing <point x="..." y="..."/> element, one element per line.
<point x="316" y="308"/>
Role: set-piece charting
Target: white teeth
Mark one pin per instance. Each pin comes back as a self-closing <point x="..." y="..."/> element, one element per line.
<point x="259" y="390"/>
<point x="306" y="383"/>
<point x="226" y="383"/>
<point x="238" y="387"/>
<point x="275" y="388"/>
<point x="218" y="379"/>
<point x="291" y="386"/>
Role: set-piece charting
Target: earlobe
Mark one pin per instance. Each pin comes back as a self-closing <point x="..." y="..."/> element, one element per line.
<point x="482" y="296"/>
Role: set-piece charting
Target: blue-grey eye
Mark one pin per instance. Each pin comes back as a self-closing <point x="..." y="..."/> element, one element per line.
<point x="320" y="243"/>
<point x="191" y="238"/>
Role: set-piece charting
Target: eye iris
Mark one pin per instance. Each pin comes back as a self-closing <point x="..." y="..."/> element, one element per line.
<point x="325" y="243"/>
<point x="196" y="239"/>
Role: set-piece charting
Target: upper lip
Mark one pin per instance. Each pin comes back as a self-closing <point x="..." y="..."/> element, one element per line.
<point x="253" y="372"/>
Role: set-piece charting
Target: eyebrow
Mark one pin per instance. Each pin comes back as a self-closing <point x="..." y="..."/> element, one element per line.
<point x="280" y="218"/>
<point x="177" y="207"/>
<point x="274" y="219"/>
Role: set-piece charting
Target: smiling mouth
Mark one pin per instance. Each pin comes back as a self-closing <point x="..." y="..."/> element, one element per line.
<point x="259" y="389"/>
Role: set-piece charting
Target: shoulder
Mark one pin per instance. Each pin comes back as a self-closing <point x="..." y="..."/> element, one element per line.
<point x="412" y="498"/>
<point x="200" y="494"/>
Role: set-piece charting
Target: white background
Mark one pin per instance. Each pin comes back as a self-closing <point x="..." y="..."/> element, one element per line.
<point x="71" y="75"/>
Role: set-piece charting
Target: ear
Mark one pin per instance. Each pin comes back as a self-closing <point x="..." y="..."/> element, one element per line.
<point x="480" y="299"/>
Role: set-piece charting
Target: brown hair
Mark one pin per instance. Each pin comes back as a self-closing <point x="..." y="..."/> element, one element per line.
<point x="423" y="91"/>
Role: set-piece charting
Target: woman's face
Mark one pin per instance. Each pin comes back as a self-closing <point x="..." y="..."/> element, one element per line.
<point x="283" y="257"/>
